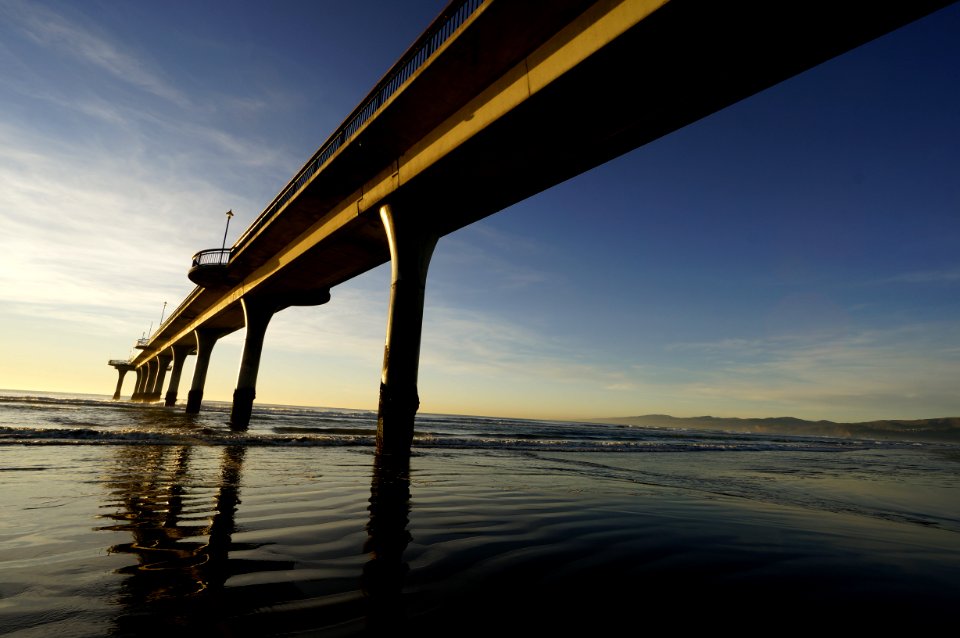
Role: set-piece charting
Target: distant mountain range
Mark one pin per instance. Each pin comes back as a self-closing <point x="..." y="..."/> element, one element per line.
<point x="945" y="429"/>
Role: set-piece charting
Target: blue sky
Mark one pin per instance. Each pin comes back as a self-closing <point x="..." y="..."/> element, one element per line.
<point x="794" y="254"/>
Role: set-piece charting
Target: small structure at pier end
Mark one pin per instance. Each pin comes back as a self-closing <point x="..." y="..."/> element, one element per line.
<point x="123" y="367"/>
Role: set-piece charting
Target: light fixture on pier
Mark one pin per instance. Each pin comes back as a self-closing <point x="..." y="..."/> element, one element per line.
<point x="229" y="215"/>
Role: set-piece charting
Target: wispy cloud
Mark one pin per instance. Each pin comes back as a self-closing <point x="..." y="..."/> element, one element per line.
<point x="624" y="387"/>
<point x="105" y="92"/>
<point x="456" y="343"/>
<point x="350" y="326"/>
<point x="908" y="371"/>
<point x="910" y="366"/>
<point x="503" y="259"/>
<point x="90" y="231"/>
<point x="51" y="29"/>
<point x="111" y="176"/>
<point x="947" y="276"/>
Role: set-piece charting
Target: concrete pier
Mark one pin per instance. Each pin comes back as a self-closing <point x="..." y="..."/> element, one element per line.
<point x="122" y="367"/>
<point x="411" y="247"/>
<point x="116" y="393"/>
<point x="180" y="354"/>
<point x="138" y="386"/>
<point x="257" y="314"/>
<point x="162" y="363"/>
<point x="495" y="102"/>
<point x="153" y="368"/>
<point x="206" y="339"/>
<point x="145" y="382"/>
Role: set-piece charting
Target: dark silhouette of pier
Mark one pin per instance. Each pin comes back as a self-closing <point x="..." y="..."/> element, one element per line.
<point x="495" y="102"/>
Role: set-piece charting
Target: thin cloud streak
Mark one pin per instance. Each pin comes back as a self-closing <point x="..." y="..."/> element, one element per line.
<point x="199" y="126"/>
<point x="487" y="256"/>
<point x="454" y="342"/>
<point x="87" y="230"/>
<point x="908" y="365"/>
<point x="50" y="29"/>
<point x="350" y="326"/>
<point x="927" y="277"/>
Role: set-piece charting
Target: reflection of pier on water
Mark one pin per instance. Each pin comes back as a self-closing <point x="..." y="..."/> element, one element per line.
<point x="388" y="538"/>
<point x="184" y="550"/>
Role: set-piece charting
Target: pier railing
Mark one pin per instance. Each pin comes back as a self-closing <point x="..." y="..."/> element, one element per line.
<point x="441" y="30"/>
<point x="208" y="268"/>
<point x="211" y="257"/>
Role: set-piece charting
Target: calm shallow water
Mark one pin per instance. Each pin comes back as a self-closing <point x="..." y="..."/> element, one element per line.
<point x="124" y="519"/>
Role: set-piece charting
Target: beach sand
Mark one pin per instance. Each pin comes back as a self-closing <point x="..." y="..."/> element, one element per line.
<point x="210" y="540"/>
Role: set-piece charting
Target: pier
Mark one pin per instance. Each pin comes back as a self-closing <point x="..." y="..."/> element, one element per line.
<point x="495" y="102"/>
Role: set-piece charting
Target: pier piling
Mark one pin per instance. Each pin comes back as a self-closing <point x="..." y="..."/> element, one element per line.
<point x="162" y="363"/>
<point x="257" y="314"/>
<point x="122" y="371"/>
<point x="180" y="354"/>
<point x="206" y="339"/>
<point x="411" y="247"/>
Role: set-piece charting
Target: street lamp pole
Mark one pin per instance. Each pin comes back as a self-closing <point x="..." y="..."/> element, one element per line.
<point x="163" y="311"/>
<point x="229" y="215"/>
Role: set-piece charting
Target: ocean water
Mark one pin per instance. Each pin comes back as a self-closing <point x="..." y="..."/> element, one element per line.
<point x="122" y="519"/>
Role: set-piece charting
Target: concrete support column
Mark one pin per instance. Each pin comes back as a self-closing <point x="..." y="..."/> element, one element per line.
<point x="150" y="381"/>
<point x="411" y="247"/>
<point x="180" y="354"/>
<point x="206" y="339"/>
<point x="144" y="381"/>
<point x="257" y="314"/>
<point x="138" y="386"/>
<point x="122" y="372"/>
<point x="163" y="362"/>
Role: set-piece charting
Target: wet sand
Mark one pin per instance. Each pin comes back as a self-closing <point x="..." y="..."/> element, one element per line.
<point x="208" y="540"/>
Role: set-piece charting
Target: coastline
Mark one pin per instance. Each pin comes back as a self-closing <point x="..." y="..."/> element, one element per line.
<point x="941" y="429"/>
<point x="936" y="430"/>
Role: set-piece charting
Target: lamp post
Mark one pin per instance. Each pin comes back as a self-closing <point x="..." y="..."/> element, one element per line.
<point x="163" y="311"/>
<point x="224" y="244"/>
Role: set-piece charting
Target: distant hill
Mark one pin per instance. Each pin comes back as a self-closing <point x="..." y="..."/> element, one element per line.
<point x="945" y="429"/>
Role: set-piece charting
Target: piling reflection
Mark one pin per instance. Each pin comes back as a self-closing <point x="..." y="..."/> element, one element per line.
<point x="149" y="488"/>
<point x="178" y="508"/>
<point x="223" y="523"/>
<point x="387" y="540"/>
<point x="182" y="546"/>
